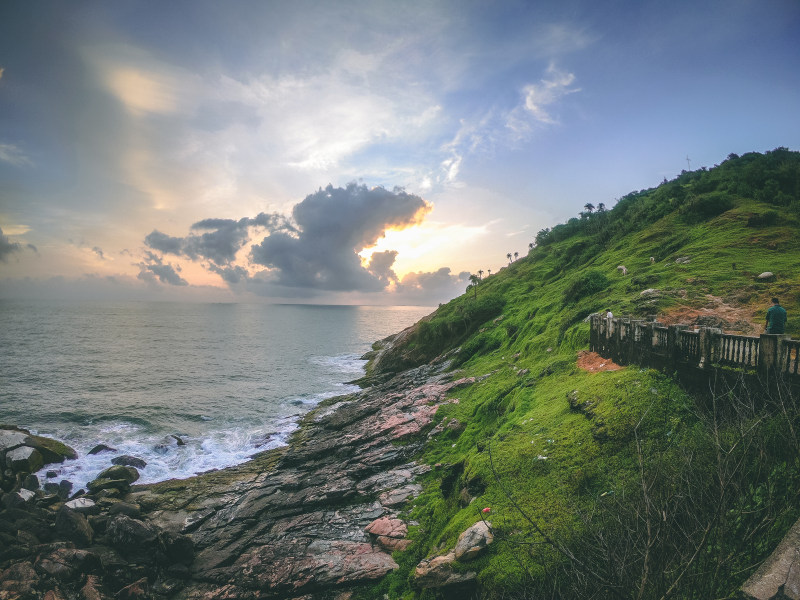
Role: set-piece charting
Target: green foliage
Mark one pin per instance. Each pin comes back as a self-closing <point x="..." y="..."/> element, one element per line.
<point x="708" y="206"/>
<point x="588" y="283"/>
<point x="540" y="440"/>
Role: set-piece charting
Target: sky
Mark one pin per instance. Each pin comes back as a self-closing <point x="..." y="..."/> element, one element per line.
<point x="355" y="152"/>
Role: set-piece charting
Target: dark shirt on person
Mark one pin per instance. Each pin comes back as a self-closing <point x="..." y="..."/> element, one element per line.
<point x="776" y="319"/>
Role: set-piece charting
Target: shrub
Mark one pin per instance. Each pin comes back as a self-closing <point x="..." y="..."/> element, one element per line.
<point x="708" y="206"/>
<point x="588" y="283"/>
<point x="764" y="219"/>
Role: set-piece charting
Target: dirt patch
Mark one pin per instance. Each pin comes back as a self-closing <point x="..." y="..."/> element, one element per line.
<point x="594" y="363"/>
<point x="715" y="313"/>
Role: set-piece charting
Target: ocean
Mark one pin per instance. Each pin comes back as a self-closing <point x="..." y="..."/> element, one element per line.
<point x="185" y="387"/>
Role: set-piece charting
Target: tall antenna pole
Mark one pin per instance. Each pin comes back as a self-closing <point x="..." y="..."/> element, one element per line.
<point x="688" y="162"/>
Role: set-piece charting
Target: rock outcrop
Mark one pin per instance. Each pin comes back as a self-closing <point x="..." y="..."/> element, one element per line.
<point x="309" y="520"/>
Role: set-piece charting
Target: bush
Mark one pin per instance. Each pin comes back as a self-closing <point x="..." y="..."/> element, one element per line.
<point x="587" y="284"/>
<point x="766" y="219"/>
<point x="707" y="207"/>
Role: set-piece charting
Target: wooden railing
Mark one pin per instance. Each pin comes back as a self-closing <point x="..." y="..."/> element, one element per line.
<point x="651" y="343"/>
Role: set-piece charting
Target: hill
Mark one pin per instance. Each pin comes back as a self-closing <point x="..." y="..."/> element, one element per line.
<point x="615" y="483"/>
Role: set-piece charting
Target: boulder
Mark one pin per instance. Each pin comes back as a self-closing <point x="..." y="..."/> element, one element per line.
<point x="117" y="507"/>
<point x="129" y="461"/>
<point x="438" y="572"/>
<point x="52" y="451"/>
<point x="473" y="541"/>
<point x="74" y="526"/>
<point x="104" y="484"/>
<point x="390" y="533"/>
<point x="20" y="579"/>
<point x="84" y="506"/>
<point x="123" y="472"/>
<point x="778" y="576"/>
<point x="101" y="448"/>
<point x="11" y="438"/>
<point x="125" y="532"/>
<point x="67" y="564"/>
<point x="24" y="459"/>
<point x="31" y="482"/>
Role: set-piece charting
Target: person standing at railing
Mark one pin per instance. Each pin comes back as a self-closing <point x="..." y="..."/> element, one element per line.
<point x="776" y="317"/>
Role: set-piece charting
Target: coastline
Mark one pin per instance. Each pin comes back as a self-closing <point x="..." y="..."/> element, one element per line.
<point x="309" y="519"/>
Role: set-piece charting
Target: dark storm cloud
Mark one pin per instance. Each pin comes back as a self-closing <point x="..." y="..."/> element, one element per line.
<point x="222" y="239"/>
<point x="154" y="268"/>
<point x="333" y="226"/>
<point x="7" y="247"/>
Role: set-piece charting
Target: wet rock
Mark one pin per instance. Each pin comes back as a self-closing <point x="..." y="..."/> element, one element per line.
<point x="31" y="482"/>
<point x="129" y="461"/>
<point x="101" y="448"/>
<point x="438" y="572"/>
<point x="128" y="474"/>
<point x="51" y="474"/>
<point x="52" y="451"/>
<point x="473" y="541"/>
<point x="73" y="526"/>
<point x="103" y="484"/>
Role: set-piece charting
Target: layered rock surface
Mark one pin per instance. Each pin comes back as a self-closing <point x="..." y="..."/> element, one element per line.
<point x="306" y="521"/>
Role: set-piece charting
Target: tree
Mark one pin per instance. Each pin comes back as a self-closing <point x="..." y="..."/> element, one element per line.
<point x="480" y="273"/>
<point x="601" y="208"/>
<point x="508" y="256"/>
<point x="489" y="271"/>
<point x="589" y="207"/>
<point x="530" y="246"/>
<point x="516" y="255"/>
<point x="474" y="281"/>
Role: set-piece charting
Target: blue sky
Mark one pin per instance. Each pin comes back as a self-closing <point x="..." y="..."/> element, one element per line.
<point x="355" y="152"/>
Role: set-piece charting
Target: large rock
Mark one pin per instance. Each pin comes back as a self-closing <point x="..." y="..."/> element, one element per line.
<point x="129" y="474"/>
<point x="11" y="438"/>
<point x="438" y="572"/>
<point x="74" y="526"/>
<point x="24" y="459"/>
<point x="778" y="578"/>
<point x="52" y="451"/>
<point x="67" y="564"/>
<point x="390" y="533"/>
<point x="129" y="461"/>
<point x="474" y="541"/>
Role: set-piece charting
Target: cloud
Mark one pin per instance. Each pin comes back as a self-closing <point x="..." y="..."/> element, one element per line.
<point x="99" y="252"/>
<point x="333" y="226"/>
<point x="539" y="97"/>
<point x="441" y="284"/>
<point x="222" y="239"/>
<point x="153" y="268"/>
<point x="12" y="155"/>
<point x="7" y="247"/>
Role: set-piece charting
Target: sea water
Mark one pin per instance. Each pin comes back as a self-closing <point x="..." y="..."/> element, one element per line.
<point x="185" y="387"/>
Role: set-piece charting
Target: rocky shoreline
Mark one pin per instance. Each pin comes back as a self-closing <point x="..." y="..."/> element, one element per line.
<point x="311" y="520"/>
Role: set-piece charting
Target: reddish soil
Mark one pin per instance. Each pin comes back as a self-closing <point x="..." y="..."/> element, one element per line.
<point x="715" y="313"/>
<point x="594" y="363"/>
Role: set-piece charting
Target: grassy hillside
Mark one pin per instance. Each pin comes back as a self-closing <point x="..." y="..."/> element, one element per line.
<point x="615" y="484"/>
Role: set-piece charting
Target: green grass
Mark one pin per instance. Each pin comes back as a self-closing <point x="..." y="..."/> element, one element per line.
<point x="527" y="454"/>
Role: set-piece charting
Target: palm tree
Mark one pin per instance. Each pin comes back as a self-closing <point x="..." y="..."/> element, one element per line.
<point x="589" y="207"/>
<point x="530" y="246"/>
<point x="474" y="284"/>
<point x="508" y="256"/>
<point x="601" y="208"/>
<point x="480" y="273"/>
<point x="489" y="271"/>
<point x="516" y="255"/>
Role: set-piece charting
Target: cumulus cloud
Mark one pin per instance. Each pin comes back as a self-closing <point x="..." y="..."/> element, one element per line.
<point x="316" y="250"/>
<point x="222" y="239"/>
<point x="154" y="268"/>
<point x="539" y="97"/>
<point x="333" y="226"/>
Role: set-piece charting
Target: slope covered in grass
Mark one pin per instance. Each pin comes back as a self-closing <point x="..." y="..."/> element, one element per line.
<point x="619" y="483"/>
